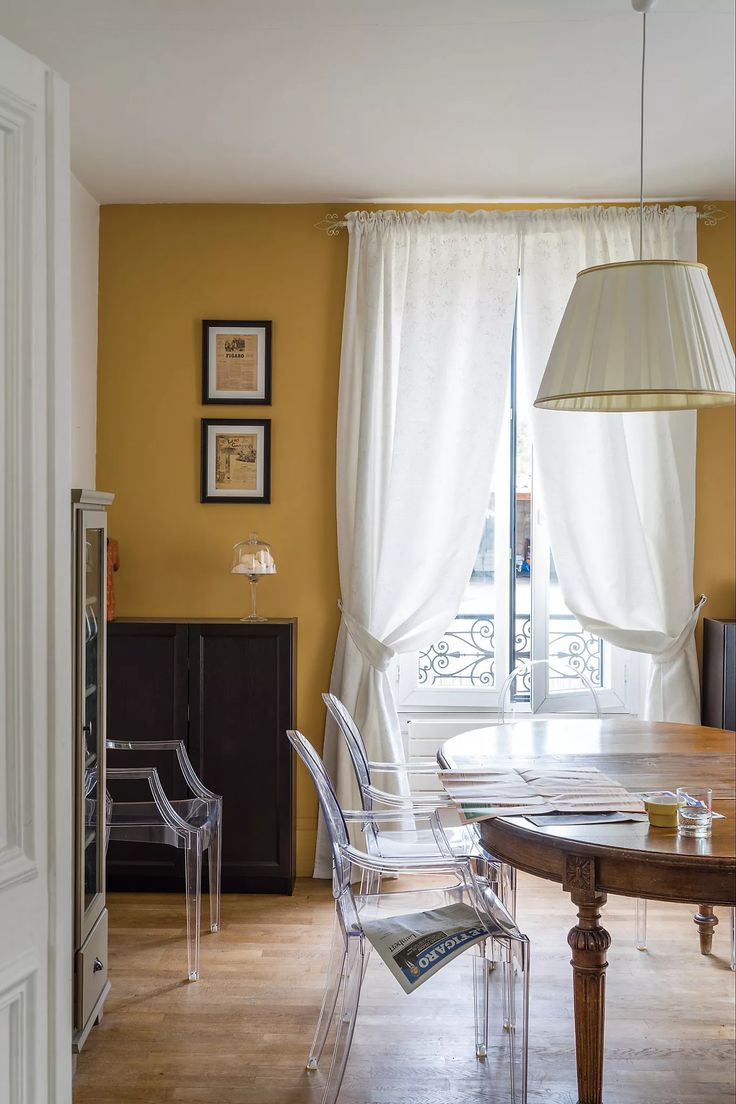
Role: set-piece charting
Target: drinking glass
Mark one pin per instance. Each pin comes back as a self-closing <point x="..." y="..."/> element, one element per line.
<point x="694" y="812"/>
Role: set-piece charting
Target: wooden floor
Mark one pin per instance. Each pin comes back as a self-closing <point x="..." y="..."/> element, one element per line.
<point x="240" y="1035"/>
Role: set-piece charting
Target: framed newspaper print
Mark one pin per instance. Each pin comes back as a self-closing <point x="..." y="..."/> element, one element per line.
<point x="236" y="460"/>
<point x="236" y="362"/>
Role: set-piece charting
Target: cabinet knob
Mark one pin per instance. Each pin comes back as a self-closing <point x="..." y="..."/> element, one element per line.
<point x="98" y="965"/>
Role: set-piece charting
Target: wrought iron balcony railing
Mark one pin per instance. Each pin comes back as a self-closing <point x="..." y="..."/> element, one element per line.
<point x="465" y="656"/>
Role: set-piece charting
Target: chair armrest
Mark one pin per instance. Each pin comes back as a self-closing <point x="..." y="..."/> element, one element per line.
<point x="145" y="745"/>
<point x="399" y="801"/>
<point x="193" y="780"/>
<point x="423" y="820"/>
<point x="191" y="777"/>
<point x="161" y="801"/>
<point x="388" y="816"/>
<point x="477" y="849"/>
<point x="418" y="766"/>
<point x="380" y="864"/>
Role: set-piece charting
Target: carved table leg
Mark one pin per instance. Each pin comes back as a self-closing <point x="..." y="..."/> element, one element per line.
<point x="589" y="943"/>
<point x="705" y="922"/>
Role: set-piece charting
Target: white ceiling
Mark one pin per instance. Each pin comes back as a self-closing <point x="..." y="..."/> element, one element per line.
<point x="357" y="100"/>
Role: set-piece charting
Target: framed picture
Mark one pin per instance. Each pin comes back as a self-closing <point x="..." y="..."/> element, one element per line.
<point x="236" y="362"/>
<point x="236" y="460"/>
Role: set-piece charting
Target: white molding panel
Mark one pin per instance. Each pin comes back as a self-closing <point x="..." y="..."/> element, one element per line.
<point x="19" y="625"/>
<point x="18" y="1013"/>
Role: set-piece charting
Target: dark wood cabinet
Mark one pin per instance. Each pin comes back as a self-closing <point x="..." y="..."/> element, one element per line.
<point x="147" y="699"/>
<point x="719" y="673"/>
<point x="226" y="688"/>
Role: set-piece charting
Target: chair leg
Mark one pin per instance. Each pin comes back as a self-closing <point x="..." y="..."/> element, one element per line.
<point x="193" y="874"/>
<point x="733" y="938"/>
<point x="517" y="988"/>
<point x="508" y="1009"/>
<point x="508" y="884"/>
<point x="335" y="969"/>
<point x="352" y="982"/>
<point x="481" y="968"/>
<point x="641" y="924"/>
<point x="511" y="977"/>
<point x="214" y="859"/>
<point x="509" y="994"/>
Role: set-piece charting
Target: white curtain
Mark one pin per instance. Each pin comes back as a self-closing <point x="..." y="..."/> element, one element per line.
<point x="618" y="490"/>
<point x="424" y="372"/>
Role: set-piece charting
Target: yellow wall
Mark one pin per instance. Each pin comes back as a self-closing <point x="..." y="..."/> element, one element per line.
<point x="165" y="268"/>
<point x="715" y="522"/>
<point x="162" y="270"/>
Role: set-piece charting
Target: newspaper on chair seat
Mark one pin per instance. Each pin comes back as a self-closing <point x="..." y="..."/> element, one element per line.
<point x="415" y="946"/>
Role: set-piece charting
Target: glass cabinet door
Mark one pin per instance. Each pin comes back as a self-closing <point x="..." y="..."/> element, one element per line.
<point x="92" y="611"/>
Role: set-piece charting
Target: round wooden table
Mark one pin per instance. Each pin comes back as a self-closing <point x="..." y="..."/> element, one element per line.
<point x="630" y="859"/>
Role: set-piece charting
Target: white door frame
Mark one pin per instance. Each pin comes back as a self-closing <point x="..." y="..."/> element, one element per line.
<point x="60" y="752"/>
<point x="35" y="604"/>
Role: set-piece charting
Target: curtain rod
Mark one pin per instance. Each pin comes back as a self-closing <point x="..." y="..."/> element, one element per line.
<point x="709" y="216"/>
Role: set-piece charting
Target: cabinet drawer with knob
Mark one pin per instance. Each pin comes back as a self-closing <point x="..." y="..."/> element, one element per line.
<point x="91" y="968"/>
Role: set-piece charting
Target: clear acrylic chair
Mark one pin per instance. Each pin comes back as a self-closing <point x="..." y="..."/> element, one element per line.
<point x="523" y="671"/>
<point x="505" y="948"/>
<point x="192" y="824"/>
<point x="364" y="768"/>
<point x="393" y="831"/>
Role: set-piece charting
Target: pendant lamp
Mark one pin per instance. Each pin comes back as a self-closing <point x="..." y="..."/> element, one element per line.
<point x="640" y="335"/>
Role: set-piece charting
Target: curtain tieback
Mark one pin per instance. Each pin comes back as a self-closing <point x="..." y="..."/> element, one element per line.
<point x="373" y="650"/>
<point x="678" y="645"/>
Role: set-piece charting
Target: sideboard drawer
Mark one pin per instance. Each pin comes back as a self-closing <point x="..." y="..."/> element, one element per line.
<point x="91" y="967"/>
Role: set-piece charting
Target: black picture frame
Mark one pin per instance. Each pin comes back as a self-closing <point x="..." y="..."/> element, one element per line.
<point x="211" y="396"/>
<point x="208" y="458"/>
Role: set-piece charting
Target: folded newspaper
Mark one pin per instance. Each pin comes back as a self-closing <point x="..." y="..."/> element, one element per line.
<point x="504" y="791"/>
<point x="415" y="946"/>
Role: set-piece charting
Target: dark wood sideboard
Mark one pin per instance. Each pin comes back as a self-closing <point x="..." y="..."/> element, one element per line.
<point x="227" y="689"/>
<point x="719" y="673"/>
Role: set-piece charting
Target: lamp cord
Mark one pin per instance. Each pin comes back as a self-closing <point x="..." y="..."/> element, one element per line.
<point x="641" y="139"/>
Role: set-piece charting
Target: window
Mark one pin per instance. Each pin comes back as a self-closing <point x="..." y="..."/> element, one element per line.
<point x="512" y="610"/>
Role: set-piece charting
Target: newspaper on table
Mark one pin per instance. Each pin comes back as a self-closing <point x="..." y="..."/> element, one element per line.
<point x="418" y="944"/>
<point x="504" y="791"/>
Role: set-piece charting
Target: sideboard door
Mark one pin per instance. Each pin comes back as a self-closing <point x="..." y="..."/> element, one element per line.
<point x="241" y="699"/>
<point x="146" y="700"/>
<point x="719" y="673"/>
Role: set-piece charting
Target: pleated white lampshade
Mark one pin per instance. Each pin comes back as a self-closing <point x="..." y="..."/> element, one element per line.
<point x="640" y="335"/>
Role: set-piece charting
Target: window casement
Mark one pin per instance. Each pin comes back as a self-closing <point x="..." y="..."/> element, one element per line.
<point x="513" y="610"/>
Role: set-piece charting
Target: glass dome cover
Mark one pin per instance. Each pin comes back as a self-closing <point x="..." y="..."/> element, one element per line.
<point x="253" y="557"/>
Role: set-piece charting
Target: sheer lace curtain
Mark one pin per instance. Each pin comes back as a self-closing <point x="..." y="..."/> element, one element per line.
<point x="424" y="371"/>
<point x="618" y="490"/>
